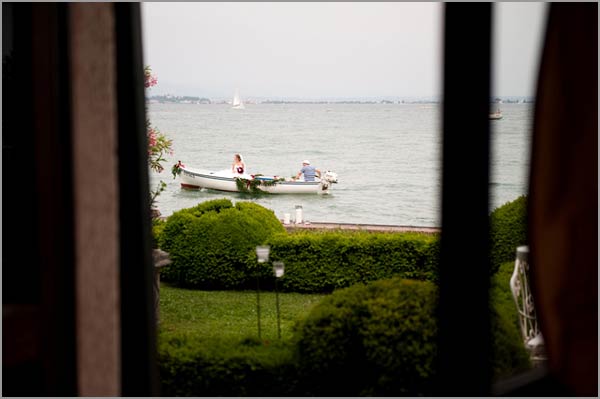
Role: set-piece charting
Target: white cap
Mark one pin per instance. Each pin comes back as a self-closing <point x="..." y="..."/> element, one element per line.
<point x="306" y="162"/>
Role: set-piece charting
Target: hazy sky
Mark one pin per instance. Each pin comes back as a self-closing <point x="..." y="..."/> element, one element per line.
<point x="323" y="50"/>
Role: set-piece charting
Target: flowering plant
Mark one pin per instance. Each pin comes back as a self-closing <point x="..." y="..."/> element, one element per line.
<point x="149" y="79"/>
<point x="159" y="145"/>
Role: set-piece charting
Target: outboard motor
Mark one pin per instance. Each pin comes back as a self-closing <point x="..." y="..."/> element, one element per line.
<point x="327" y="179"/>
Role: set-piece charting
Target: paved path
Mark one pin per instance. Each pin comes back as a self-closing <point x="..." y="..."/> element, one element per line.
<point x="364" y="227"/>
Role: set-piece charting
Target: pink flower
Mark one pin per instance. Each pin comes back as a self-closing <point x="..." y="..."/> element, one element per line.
<point x="158" y="143"/>
<point x="149" y="79"/>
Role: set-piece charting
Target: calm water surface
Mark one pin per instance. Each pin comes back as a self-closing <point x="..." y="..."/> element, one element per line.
<point x="387" y="156"/>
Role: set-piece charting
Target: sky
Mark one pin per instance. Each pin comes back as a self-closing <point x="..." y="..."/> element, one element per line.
<point x="324" y="50"/>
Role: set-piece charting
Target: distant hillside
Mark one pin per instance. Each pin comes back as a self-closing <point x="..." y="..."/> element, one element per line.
<point x="164" y="99"/>
<point x="173" y="99"/>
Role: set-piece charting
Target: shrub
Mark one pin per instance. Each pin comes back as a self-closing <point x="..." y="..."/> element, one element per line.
<point x="190" y="366"/>
<point x="508" y="230"/>
<point x="322" y="262"/>
<point x="510" y="354"/>
<point x="157" y="227"/>
<point x="210" y="244"/>
<point x="380" y="340"/>
<point x="373" y="340"/>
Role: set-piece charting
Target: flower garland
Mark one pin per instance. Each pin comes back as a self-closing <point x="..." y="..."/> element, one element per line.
<point x="253" y="185"/>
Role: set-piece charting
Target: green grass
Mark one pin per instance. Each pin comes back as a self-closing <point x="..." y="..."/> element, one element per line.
<point x="229" y="315"/>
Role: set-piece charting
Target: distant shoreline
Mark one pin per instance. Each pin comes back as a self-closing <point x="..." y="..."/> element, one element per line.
<point x="172" y="99"/>
<point x="379" y="228"/>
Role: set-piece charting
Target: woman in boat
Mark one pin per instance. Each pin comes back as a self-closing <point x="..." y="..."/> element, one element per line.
<point x="238" y="167"/>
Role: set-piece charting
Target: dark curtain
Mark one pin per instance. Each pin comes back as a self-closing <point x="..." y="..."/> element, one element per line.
<point x="563" y="196"/>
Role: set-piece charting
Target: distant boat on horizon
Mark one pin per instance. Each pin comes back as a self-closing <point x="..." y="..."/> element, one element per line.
<point x="237" y="101"/>
<point x="496" y="115"/>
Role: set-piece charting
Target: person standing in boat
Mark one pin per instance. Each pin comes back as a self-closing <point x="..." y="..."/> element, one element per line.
<point x="308" y="171"/>
<point x="238" y="167"/>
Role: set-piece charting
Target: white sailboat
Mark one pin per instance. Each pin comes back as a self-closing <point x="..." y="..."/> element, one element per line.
<point x="237" y="101"/>
<point x="496" y="115"/>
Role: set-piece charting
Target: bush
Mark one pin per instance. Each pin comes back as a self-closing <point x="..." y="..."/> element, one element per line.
<point x="380" y="340"/>
<point x="373" y="340"/>
<point x="211" y="243"/>
<point x="323" y="262"/>
<point x="510" y="354"/>
<point x="157" y="227"/>
<point x="508" y="230"/>
<point x="191" y="366"/>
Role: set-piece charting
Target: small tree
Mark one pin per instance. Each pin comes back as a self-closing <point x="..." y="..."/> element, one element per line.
<point x="158" y="143"/>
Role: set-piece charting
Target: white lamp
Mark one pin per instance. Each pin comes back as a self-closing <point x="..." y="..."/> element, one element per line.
<point x="278" y="269"/>
<point x="262" y="253"/>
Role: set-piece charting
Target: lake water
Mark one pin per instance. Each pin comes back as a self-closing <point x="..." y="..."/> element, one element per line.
<point x="387" y="156"/>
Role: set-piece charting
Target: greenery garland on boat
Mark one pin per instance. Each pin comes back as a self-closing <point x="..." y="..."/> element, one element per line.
<point x="176" y="169"/>
<point x="253" y="185"/>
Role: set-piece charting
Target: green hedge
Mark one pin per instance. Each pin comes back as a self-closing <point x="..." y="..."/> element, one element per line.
<point x="379" y="340"/>
<point x="508" y="230"/>
<point x="323" y="262"/>
<point x="212" y="247"/>
<point x="511" y="355"/>
<point x="210" y="244"/>
<point x="189" y="366"/>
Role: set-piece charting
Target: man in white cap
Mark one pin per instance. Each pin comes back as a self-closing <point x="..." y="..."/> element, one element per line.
<point x="308" y="171"/>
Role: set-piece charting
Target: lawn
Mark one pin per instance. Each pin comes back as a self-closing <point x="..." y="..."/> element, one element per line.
<point x="230" y="314"/>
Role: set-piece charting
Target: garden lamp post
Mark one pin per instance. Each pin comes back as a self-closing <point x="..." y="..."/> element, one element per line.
<point x="262" y="255"/>
<point x="278" y="270"/>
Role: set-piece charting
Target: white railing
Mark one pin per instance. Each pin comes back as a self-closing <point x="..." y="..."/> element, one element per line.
<point x="520" y="287"/>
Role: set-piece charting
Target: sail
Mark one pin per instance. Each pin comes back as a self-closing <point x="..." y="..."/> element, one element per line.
<point x="237" y="102"/>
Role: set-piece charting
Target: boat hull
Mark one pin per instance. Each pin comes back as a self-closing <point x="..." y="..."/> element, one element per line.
<point x="196" y="179"/>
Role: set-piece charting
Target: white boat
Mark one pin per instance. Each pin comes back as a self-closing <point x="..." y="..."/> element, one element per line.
<point x="237" y="101"/>
<point x="225" y="180"/>
<point x="496" y="115"/>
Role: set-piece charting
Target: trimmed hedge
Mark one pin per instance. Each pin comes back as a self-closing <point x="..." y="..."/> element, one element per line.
<point x="323" y="262"/>
<point x="511" y="355"/>
<point x="379" y="340"/>
<point x="210" y="244"/>
<point x="190" y="366"/>
<point x="508" y="230"/>
<point x="212" y="247"/>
